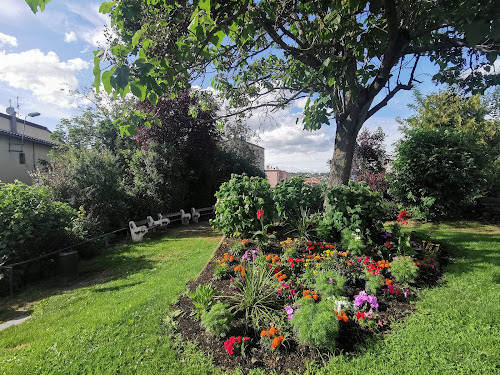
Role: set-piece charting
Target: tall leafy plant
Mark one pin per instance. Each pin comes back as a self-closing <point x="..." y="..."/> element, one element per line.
<point x="238" y="201"/>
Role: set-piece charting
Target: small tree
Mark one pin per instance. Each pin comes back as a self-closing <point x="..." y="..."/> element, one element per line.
<point x="439" y="172"/>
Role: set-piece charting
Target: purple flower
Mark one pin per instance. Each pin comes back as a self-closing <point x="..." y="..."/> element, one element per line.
<point x="407" y="293"/>
<point x="289" y="311"/>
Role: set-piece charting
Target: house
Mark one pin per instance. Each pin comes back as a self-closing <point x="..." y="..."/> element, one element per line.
<point x="24" y="146"/>
<point x="312" y="181"/>
<point x="275" y="176"/>
<point x="245" y="149"/>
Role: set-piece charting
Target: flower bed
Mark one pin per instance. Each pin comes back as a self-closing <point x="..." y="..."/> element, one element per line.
<point x="277" y="304"/>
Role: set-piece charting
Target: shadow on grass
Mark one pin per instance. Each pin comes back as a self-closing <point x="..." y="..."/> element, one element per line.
<point x="480" y="250"/>
<point x="124" y="259"/>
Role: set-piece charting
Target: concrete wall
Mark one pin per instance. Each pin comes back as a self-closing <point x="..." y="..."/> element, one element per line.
<point x="39" y="132"/>
<point x="247" y="150"/>
<point x="276" y="176"/>
<point x="10" y="167"/>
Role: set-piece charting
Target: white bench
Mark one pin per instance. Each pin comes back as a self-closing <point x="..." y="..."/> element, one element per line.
<point x="175" y="216"/>
<point x="196" y="213"/>
<point x="139" y="228"/>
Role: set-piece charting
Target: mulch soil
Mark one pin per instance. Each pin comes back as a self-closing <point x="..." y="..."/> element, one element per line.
<point x="291" y="356"/>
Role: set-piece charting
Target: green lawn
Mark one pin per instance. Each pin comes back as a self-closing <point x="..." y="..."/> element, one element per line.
<point x="116" y="326"/>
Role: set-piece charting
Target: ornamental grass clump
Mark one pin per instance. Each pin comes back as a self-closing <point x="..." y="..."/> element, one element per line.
<point x="316" y="324"/>
<point x="256" y="296"/>
<point x="218" y="320"/>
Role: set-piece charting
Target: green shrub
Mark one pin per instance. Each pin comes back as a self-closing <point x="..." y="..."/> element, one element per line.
<point x="295" y="197"/>
<point x="202" y="298"/>
<point x="32" y="223"/>
<point x="438" y="172"/>
<point x="237" y="248"/>
<point x="329" y="284"/>
<point x="91" y="179"/>
<point x="218" y="320"/>
<point x="404" y="270"/>
<point x="353" y="206"/>
<point x="238" y="201"/>
<point x="315" y="324"/>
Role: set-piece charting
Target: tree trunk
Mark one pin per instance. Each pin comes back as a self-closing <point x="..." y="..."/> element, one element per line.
<point x="345" y="141"/>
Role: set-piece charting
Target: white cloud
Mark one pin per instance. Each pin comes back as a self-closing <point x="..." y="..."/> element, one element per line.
<point x="7" y="39"/>
<point x="70" y="37"/>
<point x="48" y="79"/>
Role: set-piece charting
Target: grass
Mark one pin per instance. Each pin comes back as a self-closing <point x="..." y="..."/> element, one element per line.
<point x="117" y="326"/>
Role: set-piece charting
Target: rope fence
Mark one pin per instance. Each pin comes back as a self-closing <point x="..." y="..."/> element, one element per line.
<point x="10" y="267"/>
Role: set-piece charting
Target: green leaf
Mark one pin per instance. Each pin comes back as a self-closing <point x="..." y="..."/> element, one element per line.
<point x="157" y="121"/>
<point x="120" y="77"/>
<point x="106" y="7"/>
<point x="153" y="98"/>
<point x="331" y="82"/>
<point x="136" y="37"/>
<point x="138" y="90"/>
<point x="106" y="80"/>
<point x="204" y="4"/>
<point x="97" y="73"/>
<point x="35" y="4"/>
<point x="475" y="32"/>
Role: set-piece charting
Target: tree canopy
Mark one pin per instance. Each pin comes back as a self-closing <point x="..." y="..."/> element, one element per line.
<point x="339" y="54"/>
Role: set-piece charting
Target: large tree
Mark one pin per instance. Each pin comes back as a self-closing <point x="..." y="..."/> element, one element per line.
<point x="349" y="57"/>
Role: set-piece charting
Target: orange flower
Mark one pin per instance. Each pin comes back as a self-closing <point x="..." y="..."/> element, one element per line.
<point x="272" y="331"/>
<point x="277" y="342"/>
<point x="263" y="333"/>
<point x="388" y="281"/>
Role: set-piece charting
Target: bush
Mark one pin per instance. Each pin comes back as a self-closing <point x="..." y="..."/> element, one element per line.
<point x="294" y="197"/>
<point x="438" y="172"/>
<point x="218" y="320"/>
<point x="32" y="223"/>
<point x="329" y="284"/>
<point x="315" y="323"/>
<point x="404" y="270"/>
<point x="238" y="201"/>
<point x="91" y="179"/>
<point x="353" y="206"/>
<point x="156" y="181"/>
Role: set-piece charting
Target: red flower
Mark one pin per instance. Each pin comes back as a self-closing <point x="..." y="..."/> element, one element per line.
<point x="260" y="214"/>
<point x="402" y="217"/>
<point x="388" y="244"/>
<point x="360" y="315"/>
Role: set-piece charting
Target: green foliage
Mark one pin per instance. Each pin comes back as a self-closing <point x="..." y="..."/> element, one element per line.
<point x="237" y="248"/>
<point x="238" y="201"/>
<point x="439" y="172"/>
<point x="353" y="241"/>
<point x="218" y="320"/>
<point x="315" y="324"/>
<point x="156" y="181"/>
<point x="221" y="272"/>
<point x="373" y="282"/>
<point x="404" y="270"/>
<point x="32" y="223"/>
<point x="202" y="298"/>
<point x="256" y="296"/>
<point x="329" y="284"/>
<point x="90" y="179"/>
<point x="352" y="207"/>
<point x="295" y="197"/>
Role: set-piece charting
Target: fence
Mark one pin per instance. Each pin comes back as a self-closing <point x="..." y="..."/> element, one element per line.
<point x="10" y="267"/>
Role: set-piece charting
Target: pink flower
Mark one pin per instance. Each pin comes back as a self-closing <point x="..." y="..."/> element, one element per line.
<point x="260" y="214"/>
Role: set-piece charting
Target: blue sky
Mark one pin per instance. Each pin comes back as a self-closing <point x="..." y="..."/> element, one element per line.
<point x="45" y="59"/>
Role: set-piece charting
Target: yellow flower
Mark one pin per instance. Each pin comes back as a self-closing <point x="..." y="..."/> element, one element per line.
<point x="315" y="271"/>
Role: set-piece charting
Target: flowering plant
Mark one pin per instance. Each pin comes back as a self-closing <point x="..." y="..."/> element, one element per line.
<point x="364" y="301"/>
<point x="395" y="291"/>
<point x="271" y="337"/>
<point x="229" y="344"/>
<point x="262" y="236"/>
<point x="287" y="290"/>
<point x="250" y="255"/>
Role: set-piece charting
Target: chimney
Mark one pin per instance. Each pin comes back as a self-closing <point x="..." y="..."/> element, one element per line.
<point x="13" y="119"/>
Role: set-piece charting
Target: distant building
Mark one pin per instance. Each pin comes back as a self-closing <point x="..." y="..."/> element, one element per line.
<point x="247" y="150"/>
<point x="312" y="181"/>
<point x="21" y="148"/>
<point x="275" y="176"/>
